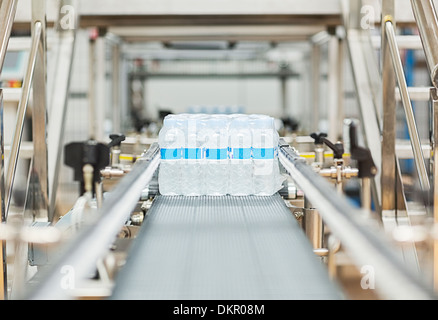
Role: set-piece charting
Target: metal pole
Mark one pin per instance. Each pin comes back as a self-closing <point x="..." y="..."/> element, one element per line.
<point x="3" y="261"/>
<point x="434" y="99"/>
<point x="92" y="88"/>
<point x="366" y="193"/>
<point x="39" y="170"/>
<point x="348" y="224"/>
<point x="116" y="87"/>
<point x="21" y="114"/>
<point x="427" y="22"/>
<point x="284" y="96"/>
<point x="315" y="79"/>
<point x="413" y="132"/>
<point x="367" y="82"/>
<point x="313" y="225"/>
<point x="333" y="89"/>
<point x="100" y="85"/>
<point x="96" y="236"/>
<point x="7" y="14"/>
<point x="58" y="106"/>
<point x="340" y="81"/>
<point x="388" y="168"/>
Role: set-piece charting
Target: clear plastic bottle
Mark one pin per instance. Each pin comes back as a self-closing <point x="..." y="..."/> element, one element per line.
<point x="263" y="155"/>
<point x="215" y="163"/>
<point x="170" y="139"/>
<point x="191" y="171"/>
<point x="241" y="168"/>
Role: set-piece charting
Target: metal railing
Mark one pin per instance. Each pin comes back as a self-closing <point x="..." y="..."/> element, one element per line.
<point x="348" y="224"/>
<point x="34" y="78"/>
<point x="7" y="15"/>
<point x="36" y="68"/>
<point x="3" y="261"/>
<point x="21" y="113"/>
<point x="407" y="106"/>
<point x="427" y="21"/>
<point x="96" y="237"/>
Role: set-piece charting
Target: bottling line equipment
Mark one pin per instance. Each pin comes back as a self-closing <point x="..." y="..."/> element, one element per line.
<point x="122" y="239"/>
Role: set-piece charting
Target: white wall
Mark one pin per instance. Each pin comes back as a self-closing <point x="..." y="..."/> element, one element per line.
<point x="179" y="95"/>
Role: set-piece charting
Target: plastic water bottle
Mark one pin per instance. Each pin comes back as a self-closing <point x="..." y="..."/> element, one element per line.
<point x="263" y="154"/>
<point x="170" y="139"/>
<point x="192" y="178"/>
<point x="215" y="164"/>
<point x="218" y="154"/>
<point x="240" y="141"/>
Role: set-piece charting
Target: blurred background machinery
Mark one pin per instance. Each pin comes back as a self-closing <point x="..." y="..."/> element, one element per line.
<point x="85" y="86"/>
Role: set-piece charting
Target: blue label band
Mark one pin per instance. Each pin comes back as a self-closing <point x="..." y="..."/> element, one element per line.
<point x="170" y="154"/>
<point x="192" y="153"/>
<point x="216" y="154"/>
<point x="263" y="153"/>
<point x="241" y="153"/>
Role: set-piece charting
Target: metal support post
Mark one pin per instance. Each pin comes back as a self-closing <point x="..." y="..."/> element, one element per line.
<point x="315" y="79"/>
<point x="91" y="88"/>
<point x="284" y="96"/>
<point x="100" y="97"/>
<point x="366" y="193"/>
<point x="413" y="132"/>
<point x="313" y="225"/>
<point x="434" y="100"/>
<point x="21" y="113"/>
<point x="3" y="262"/>
<point x="388" y="167"/>
<point x="333" y="88"/>
<point x="7" y="14"/>
<point x="57" y="105"/>
<point x="340" y="87"/>
<point x="116" y="88"/>
<point x="39" y="176"/>
<point x="427" y="22"/>
<point x="97" y="86"/>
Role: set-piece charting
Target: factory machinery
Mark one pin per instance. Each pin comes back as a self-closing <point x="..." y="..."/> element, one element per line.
<point x="123" y="240"/>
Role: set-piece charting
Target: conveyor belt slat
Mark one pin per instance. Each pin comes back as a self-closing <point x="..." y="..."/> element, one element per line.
<point x="222" y="248"/>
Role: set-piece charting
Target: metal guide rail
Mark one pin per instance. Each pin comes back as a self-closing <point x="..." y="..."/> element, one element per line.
<point x="353" y="228"/>
<point x="222" y="248"/>
<point x="98" y="234"/>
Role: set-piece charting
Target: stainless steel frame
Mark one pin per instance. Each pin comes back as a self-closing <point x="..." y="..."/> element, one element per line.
<point x="367" y="82"/>
<point x="427" y="22"/>
<point x="57" y="106"/>
<point x="39" y="170"/>
<point x="413" y="132"/>
<point x="21" y="113"/>
<point x="7" y="14"/>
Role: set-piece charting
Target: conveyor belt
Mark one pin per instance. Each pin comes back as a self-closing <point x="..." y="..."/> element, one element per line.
<point x="222" y="248"/>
